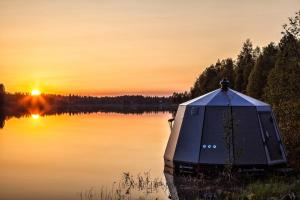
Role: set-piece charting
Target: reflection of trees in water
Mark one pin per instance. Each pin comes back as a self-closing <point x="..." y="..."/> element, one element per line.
<point x="22" y="105"/>
<point x="133" y="109"/>
<point x="78" y="110"/>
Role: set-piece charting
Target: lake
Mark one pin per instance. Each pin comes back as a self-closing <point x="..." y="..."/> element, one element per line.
<point x="63" y="156"/>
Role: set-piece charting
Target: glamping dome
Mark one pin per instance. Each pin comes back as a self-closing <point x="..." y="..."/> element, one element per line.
<point x="222" y="127"/>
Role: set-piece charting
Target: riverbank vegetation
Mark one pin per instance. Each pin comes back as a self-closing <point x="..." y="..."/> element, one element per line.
<point x="184" y="187"/>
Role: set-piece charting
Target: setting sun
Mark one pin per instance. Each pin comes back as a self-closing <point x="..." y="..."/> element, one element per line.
<point x="35" y="92"/>
<point x="35" y="116"/>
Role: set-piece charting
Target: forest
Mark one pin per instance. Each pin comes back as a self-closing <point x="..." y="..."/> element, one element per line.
<point x="270" y="74"/>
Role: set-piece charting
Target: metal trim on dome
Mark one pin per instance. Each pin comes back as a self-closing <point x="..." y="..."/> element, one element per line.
<point x="253" y="101"/>
<point x="202" y="100"/>
<point x="229" y="97"/>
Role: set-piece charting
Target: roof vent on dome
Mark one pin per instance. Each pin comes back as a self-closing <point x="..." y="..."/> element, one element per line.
<point x="224" y="84"/>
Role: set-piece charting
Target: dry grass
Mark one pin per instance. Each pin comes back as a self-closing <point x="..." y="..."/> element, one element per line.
<point x="140" y="186"/>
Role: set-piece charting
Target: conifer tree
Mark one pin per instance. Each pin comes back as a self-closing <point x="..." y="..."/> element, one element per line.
<point x="258" y="77"/>
<point x="227" y="71"/>
<point x="245" y="63"/>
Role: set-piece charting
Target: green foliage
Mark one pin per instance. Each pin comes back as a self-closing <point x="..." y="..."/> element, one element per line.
<point x="283" y="89"/>
<point x="210" y="78"/>
<point x="273" y="188"/>
<point x="237" y="75"/>
<point x="293" y="28"/>
<point x="258" y="76"/>
<point x="245" y="63"/>
<point x="180" y="97"/>
<point x="207" y="81"/>
<point x="143" y="186"/>
<point x="263" y="191"/>
<point x="227" y="71"/>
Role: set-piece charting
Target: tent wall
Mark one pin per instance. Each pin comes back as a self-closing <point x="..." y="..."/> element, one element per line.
<point x="171" y="146"/>
<point x="214" y="149"/>
<point x="188" y="145"/>
<point x="247" y="139"/>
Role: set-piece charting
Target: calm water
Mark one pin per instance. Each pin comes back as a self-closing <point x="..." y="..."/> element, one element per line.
<point x="57" y="157"/>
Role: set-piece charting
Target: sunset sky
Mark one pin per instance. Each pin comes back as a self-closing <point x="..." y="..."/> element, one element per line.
<point x="110" y="47"/>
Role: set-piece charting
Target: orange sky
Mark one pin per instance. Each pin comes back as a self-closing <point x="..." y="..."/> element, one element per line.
<point x="110" y="47"/>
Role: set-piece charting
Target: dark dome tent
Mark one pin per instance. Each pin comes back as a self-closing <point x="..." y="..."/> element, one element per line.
<point x="224" y="127"/>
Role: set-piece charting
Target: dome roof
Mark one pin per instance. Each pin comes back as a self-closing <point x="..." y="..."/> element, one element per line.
<point x="221" y="97"/>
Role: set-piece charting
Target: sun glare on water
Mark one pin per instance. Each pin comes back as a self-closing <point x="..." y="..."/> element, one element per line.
<point x="35" y="92"/>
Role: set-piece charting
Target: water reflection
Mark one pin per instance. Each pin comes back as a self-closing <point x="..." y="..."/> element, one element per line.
<point x="40" y="112"/>
<point x="58" y="156"/>
<point x="116" y="109"/>
<point x="37" y="104"/>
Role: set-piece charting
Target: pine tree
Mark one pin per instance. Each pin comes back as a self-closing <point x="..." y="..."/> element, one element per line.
<point x="293" y="28"/>
<point x="207" y="81"/>
<point x="245" y="63"/>
<point x="227" y="71"/>
<point x="210" y="78"/>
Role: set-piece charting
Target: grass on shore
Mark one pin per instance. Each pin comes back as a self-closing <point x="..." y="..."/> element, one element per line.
<point x="273" y="188"/>
<point x="143" y="186"/>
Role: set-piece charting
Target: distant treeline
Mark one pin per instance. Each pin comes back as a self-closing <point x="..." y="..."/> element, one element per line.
<point x="19" y="104"/>
<point x="270" y="73"/>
